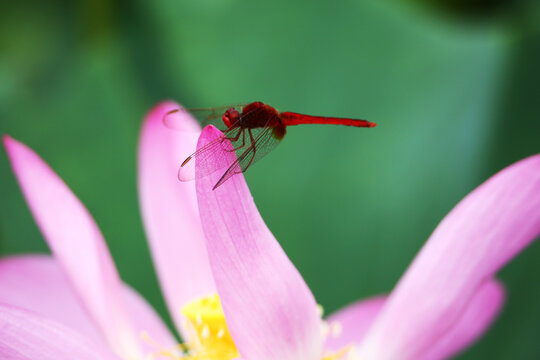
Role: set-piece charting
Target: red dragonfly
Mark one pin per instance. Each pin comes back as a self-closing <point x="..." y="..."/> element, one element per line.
<point x="250" y="131"/>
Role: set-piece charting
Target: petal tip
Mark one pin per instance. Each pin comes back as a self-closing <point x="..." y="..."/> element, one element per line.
<point x="182" y="121"/>
<point x="16" y="150"/>
<point x="8" y="141"/>
<point x="156" y="113"/>
<point x="209" y="133"/>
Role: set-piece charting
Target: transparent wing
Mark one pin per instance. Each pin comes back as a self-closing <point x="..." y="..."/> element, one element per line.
<point x="212" y="157"/>
<point x="174" y="119"/>
<point x="261" y="142"/>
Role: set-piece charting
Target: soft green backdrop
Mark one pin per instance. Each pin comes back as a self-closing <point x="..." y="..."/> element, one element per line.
<point x="454" y="89"/>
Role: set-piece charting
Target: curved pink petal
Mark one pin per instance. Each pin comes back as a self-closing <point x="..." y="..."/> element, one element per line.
<point x="476" y="318"/>
<point x="27" y="336"/>
<point x="76" y="243"/>
<point x="484" y="231"/>
<point x="269" y="309"/>
<point x="151" y="331"/>
<point x="169" y="209"/>
<point x="353" y="321"/>
<point x="38" y="284"/>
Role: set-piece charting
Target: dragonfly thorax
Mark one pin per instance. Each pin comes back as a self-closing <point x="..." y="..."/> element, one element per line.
<point x="258" y="115"/>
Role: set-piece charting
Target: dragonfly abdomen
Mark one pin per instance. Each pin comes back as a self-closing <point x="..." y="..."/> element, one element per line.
<point x="290" y="119"/>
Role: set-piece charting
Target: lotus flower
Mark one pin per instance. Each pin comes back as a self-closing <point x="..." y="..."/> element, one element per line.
<point x="221" y="262"/>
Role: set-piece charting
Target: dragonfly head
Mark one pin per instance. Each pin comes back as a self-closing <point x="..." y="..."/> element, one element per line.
<point x="230" y="117"/>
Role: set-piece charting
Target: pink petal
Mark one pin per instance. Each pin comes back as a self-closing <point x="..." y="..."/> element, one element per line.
<point x="353" y="322"/>
<point x="169" y="209"/>
<point x="484" y="231"/>
<point x="151" y="331"/>
<point x="37" y="283"/>
<point x="27" y="336"/>
<point x="476" y="318"/>
<point x="77" y="244"/>
<point x="269" y="309"/>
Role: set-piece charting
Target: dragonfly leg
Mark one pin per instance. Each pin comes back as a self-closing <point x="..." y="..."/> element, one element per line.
<point x="253" y="146"/>
<point x="243" y="140"/>
<point x="235" y="138"/>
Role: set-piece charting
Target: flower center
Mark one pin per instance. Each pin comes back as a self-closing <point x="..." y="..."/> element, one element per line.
<point x="209" y="338"/>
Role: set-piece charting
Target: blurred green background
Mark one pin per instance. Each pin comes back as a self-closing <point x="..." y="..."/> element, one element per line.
<point x="454" y="87"/>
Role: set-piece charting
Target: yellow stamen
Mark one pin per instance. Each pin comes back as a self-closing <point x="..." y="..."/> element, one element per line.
<point x="340" y="355"/>
<point x="208" y="337"/>
<point x="162" y="352"/>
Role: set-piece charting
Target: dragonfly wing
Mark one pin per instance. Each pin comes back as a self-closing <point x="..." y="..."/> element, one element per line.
<point x="211" y="157"/>
<point x="175" y="119"/>
<point x="259" y="143"/>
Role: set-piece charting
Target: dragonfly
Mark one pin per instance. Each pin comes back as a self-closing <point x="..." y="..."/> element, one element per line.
<point x="250" y="131"/>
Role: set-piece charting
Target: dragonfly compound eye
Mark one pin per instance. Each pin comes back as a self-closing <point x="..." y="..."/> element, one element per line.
<point x="231" y="116"/>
